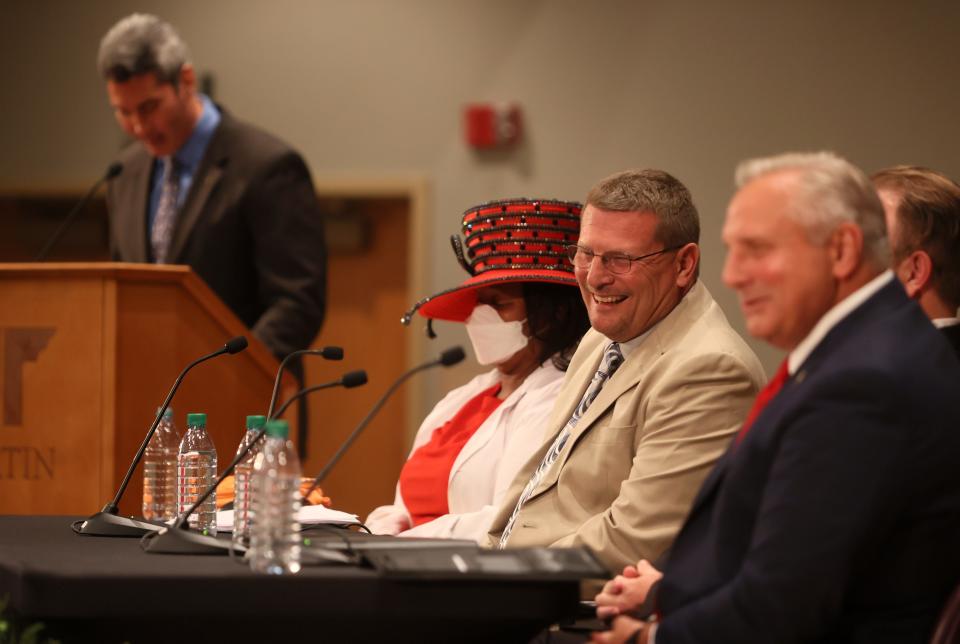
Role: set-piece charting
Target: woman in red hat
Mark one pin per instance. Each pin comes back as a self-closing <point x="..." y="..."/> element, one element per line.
<point x="524" y="316"/>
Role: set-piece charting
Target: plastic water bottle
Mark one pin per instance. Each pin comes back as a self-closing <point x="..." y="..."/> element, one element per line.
<point x="196" y="471"/>
<point x="241" y="482"/>
<point x="160" y="471"/>
<point x="274" y="531"/>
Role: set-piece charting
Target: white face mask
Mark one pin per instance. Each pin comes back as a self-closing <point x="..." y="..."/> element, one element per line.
<point x="493" y="339"/>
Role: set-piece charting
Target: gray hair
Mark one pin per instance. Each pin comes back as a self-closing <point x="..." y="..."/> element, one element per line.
<point x="832" y="191"/>
<point x="656" y="191"/>
<point x="142" y="43"/>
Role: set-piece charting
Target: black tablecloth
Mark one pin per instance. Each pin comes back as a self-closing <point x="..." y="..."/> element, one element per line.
<point x="108" y="589"/>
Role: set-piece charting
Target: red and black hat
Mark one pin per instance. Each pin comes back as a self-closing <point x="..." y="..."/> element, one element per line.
<point x="515" y="240"/>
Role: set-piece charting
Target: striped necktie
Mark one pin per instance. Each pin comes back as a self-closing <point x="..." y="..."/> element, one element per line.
<point x="166" y="215"/>
<point x="612" y="359"/>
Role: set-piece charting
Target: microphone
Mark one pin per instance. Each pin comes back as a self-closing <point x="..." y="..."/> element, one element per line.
<point x="178" y="539"/>
<point x="348" y="381"/>
<point x="328" y="353"/>
<point x="113" y="170"/>
<point x="107" y="523"/>
<point x="448" y="358"/>
<point x="235" y="345"/>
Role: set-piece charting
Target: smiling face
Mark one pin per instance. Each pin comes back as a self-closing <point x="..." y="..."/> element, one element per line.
<point x="622" y="307"/>
<point x="160" y="115"/>
<point x="785" y="282"/>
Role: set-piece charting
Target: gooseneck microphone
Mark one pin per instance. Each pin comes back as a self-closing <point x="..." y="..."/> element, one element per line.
<point x="178" y="539"/>
<point x="113" y="170"/>
<point x="347" y="381"/>
<point x="448" y="358"/>
<point x="329" y="353"/>
<point x="107" y="523"/>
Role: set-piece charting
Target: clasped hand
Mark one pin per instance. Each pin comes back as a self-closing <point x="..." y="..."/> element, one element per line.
<point x="624" y="593"/>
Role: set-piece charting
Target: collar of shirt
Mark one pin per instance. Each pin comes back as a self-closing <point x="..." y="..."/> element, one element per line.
<point x="628" y="347"/>
<point x="942" y="323"/>
<point x="188" y="156"/>
<point x="191" y="153"/>
<point x="833" y="317"/>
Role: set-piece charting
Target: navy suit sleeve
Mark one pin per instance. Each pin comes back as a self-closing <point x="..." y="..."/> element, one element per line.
<point x="833" y="480"/>
<point x="290" y="254"/>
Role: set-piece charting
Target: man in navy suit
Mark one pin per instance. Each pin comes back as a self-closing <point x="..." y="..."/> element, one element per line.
<point x="923" y="222"/>
<point x="835" y="514"/>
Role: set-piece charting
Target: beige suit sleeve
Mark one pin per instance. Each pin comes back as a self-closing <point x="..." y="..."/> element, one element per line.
<point x="684" y="424"/>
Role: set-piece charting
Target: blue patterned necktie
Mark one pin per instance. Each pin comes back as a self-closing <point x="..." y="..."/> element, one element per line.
<point x="166" y="215"/>
<point x="612" y="359"/>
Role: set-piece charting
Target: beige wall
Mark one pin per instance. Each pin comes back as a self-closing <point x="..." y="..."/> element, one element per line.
<point x="370" y="88"/>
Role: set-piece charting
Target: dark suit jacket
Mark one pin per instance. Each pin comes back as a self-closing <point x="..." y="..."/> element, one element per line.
<point x="953" y="335"/>
<point x="250" y="227"/>
<point x="837" y="519"/>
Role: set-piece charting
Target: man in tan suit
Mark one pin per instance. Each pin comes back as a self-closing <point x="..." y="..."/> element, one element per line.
<point x="654" y="393"/>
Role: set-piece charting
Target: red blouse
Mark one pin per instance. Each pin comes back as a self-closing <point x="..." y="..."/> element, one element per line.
<point x="423" y="479"/>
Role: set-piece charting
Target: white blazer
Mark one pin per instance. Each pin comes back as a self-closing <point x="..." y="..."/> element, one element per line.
<point x="488" y="462"/>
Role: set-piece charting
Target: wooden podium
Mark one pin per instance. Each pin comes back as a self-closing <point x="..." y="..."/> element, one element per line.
<point x="89" y="351"/>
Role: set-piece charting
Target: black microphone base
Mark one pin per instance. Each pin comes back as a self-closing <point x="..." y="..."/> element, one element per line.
<point x="105" y="524"/>
<point x="178" y="541"/>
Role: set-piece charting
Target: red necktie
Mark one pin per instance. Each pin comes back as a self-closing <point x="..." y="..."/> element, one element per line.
<point x="765" y="396"/>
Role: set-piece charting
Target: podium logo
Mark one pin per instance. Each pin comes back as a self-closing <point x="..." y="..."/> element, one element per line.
<point x="21" y="345"/>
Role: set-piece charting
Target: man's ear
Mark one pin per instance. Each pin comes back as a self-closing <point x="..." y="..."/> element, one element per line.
<point x="846" y="249"/>
<point x="688" y="258"/>
<point x="187" y="79"/>
<point x="915" y="272"/>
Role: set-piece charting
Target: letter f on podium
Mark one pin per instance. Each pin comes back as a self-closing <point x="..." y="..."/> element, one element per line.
<point x="20" y="345"/>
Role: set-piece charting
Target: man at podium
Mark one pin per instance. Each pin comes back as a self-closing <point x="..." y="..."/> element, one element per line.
<point x="201" y="188"/>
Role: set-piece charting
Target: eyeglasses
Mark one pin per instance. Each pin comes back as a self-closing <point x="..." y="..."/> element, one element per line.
<point x="614" y="262"/>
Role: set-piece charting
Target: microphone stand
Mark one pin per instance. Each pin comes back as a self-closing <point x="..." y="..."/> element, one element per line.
<point x="106" y="522"/>
<point x="114" y="169"/>
<point x="448" y="358"/>
<point x="349" y="380"/>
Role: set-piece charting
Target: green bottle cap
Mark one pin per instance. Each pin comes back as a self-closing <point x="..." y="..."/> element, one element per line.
<point x="196" y="420"/>
<point x="278" y="429"/>
<point x="167" y="413"/>
<point x="256" y="422"/>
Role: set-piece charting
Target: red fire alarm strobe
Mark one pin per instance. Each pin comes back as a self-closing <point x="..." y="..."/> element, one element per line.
<point x="492" y="125"/>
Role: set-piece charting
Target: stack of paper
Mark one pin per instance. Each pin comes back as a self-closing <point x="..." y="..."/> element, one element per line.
<point x="308" y="515"/>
